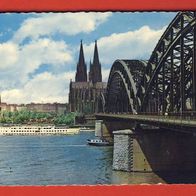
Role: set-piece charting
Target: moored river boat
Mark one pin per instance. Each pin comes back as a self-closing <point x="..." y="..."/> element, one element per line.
<point x="37" y="130"/>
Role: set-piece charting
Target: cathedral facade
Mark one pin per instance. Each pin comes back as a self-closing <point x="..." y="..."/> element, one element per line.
<point x="87" y="90"/>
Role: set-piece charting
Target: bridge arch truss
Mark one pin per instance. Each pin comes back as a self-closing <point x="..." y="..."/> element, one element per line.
<point x="121" y="94"/>
<point x="166" y="83"/>
<point x="169" y="82"/>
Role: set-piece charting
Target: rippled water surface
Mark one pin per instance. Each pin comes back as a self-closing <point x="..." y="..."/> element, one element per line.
<point x="53" y="160"/>
<point x="59" y="160"/>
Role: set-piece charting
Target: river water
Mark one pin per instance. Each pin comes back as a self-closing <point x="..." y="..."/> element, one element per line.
<point x="61" y="160"/>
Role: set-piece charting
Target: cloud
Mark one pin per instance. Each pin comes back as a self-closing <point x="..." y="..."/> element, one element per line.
<point x="9" y="55"/>
<point x="44" y="51"/>
<point x="105" y="74"/>
<point x="21" y="61"/>
<point x="43" y="88"/>
<point x="24" y="78"/>
<point x="41" y="52"/>
<point x="63" y="23"/>
<point x="137" y="44"/>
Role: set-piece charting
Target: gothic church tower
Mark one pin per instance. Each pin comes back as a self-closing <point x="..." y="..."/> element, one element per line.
<point x="95" y="67"/>
<point x="81" y="73"/>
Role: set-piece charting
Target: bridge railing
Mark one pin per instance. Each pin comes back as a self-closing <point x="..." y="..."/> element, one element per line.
<point x="187" y="115"/>
<point x="184" y="119"/>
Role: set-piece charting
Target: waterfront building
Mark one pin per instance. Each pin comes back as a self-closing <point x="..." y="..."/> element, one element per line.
<point x="58" y="108"/>
<point x="85" y="92"/>
<point x="8" y="107"/>
<point x="21" y="107"/>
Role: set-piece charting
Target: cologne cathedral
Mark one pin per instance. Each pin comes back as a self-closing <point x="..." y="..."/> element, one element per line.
<point x="88" y="91"/>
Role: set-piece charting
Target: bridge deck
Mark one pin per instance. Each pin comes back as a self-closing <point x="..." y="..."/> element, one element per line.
<point x="181" y="122"/>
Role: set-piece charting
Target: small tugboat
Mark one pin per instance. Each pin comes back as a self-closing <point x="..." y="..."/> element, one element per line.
<point x="99" y="142"/>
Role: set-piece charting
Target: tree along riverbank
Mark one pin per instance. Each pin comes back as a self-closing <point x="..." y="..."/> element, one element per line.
<point x="26" y="117"/>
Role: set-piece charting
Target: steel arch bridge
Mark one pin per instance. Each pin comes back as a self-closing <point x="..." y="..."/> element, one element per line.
<point x="164" y="84"/>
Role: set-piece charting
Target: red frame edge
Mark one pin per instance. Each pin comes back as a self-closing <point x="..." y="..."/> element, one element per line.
<point x="98" y="5"/>
<point x="131" y="190"/>
<point x="95" y="5"/>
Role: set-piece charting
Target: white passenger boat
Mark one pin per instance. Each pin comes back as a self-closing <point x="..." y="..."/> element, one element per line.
<point x="37" y="130"/>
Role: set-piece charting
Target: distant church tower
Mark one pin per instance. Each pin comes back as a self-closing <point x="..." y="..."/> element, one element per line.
<point x="81" y="72"/>
<point x="95" y="67"/>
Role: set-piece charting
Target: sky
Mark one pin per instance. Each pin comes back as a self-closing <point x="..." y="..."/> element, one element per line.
<point x="39" y="51"/>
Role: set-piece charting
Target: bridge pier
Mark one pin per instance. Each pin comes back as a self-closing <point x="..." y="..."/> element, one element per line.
<point x="123" y="150"/>
<point x="154" y="150"/>
<point x="101" y="130"/>
<point x="106" y="127"/>
<point x="128" y="155"/>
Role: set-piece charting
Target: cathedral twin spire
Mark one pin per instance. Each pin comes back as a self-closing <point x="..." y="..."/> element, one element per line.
<point x="81" y="75"/>
<point x="95" y="67"/>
